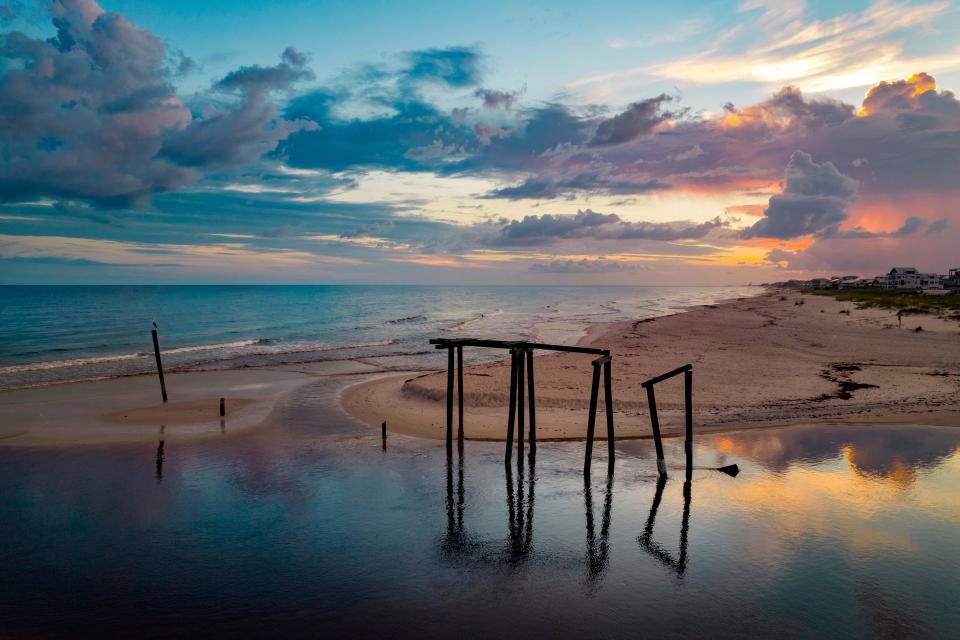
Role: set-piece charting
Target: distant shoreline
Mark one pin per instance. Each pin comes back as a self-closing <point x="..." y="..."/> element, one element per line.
<point x="758" y="362"/>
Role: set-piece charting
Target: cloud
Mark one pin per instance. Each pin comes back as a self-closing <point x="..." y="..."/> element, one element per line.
<point x="452" y="66"/>
<point x="783" y="46"/>
<point x="814" y="201"/>
<point x="584" y="265"/>
<point x="280" y="77"/>
<point x="916" y="93"/>
<point x="91" y="114"/>
<point x="636" y="120"/>
<point x="547" y="229"/>
<point x="494" y="99"/>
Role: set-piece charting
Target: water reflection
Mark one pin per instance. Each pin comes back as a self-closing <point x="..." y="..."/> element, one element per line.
<point x="872" y="451"/>
<point x="455" y="540"/>
<point x="677" y="564"/>
<point x="598" y="550"/>
<point x="338" y="534"/>
<point x="520" y="513"/>
<point x="159" y="457"/>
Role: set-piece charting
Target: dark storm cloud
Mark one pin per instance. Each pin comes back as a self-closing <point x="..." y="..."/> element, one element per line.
<point x="91" y="114"/>
<point x="814" y="201"/>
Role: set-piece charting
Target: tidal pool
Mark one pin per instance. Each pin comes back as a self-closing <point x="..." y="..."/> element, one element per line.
<point x="312" y="529"/>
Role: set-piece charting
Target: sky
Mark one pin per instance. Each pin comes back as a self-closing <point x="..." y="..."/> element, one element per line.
<point x="681" y="143"/>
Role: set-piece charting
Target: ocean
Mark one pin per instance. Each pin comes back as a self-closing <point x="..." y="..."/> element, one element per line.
<point x="52" y="334"/>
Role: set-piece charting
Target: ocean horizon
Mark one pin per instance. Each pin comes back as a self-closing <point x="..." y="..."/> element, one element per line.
<point x="65" y="333"/>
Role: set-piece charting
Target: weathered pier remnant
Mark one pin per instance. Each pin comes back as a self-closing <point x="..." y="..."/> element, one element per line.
<point x="156" y="353"/>
<point x="687" y="371"/>
<point x="521" y="373"/>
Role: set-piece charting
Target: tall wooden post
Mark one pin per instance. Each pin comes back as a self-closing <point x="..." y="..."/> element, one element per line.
<point x="449" y="400"/>
<point x="513" y="403"/>
<point x="688" y="400"/>
<point x="592" y="418"/>
<point x="533" y="406"/>
<point x="460" y="397"/>
<point x="655" y="422"/>
<point x="608" y="401"/>
<point x="383" y="434"/>
<point x="156" y="353"/>
<point x="520" y="362"/>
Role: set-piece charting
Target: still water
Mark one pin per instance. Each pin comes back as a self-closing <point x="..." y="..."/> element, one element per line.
<point x="313" y="529"/>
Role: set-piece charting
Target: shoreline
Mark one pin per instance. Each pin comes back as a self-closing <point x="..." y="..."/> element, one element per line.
<point x="730" y="340"/>
<point x="756" y="364"/>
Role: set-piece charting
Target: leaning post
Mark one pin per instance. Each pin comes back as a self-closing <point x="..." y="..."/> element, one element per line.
<point x="655" y="422"/>
<point x="592" y="418"/>
<point x="608" y="401"/>
<point x="513" y="404"/>
<point x="156" y="353"/>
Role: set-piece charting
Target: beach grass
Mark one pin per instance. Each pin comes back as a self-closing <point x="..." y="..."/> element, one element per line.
<point x="902" y="301"/>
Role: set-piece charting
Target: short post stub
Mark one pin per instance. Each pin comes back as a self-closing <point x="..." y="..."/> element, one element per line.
<point x="223" y="408"/>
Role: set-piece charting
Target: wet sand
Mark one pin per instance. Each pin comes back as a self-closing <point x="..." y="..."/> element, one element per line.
<point x="130" y="409"/>
<point x="758" y="362"/>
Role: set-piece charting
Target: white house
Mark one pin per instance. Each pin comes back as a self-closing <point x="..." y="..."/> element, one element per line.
<point x="910" y="278"/>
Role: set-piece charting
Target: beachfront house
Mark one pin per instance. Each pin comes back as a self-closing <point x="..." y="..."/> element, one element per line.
<point x="953" y="279"/>
<point x="911" y="279"/>
<point x="855" y="282"/>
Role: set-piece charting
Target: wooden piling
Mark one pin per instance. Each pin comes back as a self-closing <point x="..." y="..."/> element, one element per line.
<point x="449" y="400"/>
<point x="520" y="408"/>
<point x="513" y="403"/>
<point x="655" y="422"/>
<point x="608" y="401"/>
<point x="156" y="353"/>
<point x="592" y="418"/>
<point x="383" y="434"/>
<point x="688" y="400"/>
<point x="460" y="398"/>
<point x="223" y="408"/>
<point x="533" y="405"/>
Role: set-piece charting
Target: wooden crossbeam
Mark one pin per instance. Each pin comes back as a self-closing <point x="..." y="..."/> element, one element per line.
<point x="445" y="343"/>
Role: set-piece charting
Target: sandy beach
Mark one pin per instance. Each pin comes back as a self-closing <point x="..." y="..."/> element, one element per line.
<point x="758" y="362"/>
<point x="130" y="409"/>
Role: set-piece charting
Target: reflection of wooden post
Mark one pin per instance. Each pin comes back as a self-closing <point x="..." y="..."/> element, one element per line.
<point x="520" y="362"/>
<point x="592" y="418"/>
<point x="533" y="407"/>
<point x="608" y="401"/>
<point x="449" y="400"/>
<point x="460" y="397"/>
<point x="655" y="422"/>
<point x="513" y="403"/>
<point x="156" y="353"/>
